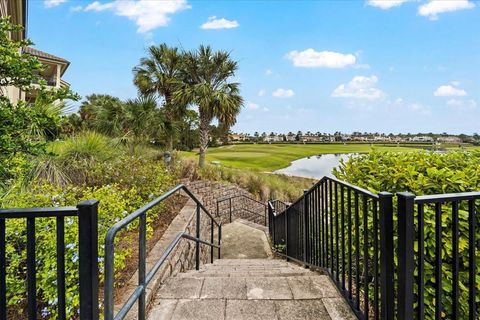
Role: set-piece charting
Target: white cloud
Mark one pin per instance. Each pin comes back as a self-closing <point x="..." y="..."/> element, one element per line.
<point x="462" y="104"/>
<point x="386" y="4"/>
<point x="449" y="91"/>
<point x="214" y="23"/>
<point x="268" y="72"/>
<point x="261" y="93"/>
<point x="53" y="3"/>
<point x="359" y="87"/>
<point x="434" y="7"/>
<point x="76" y="9"/>
<point x="283" y="93"/>
<point x="310" y="58"/>
<point x="252" y="106"/>
<point x="148" y="15"/>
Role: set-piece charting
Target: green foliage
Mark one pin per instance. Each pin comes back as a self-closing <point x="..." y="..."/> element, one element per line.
<point x="16" y="69"/>
<point x="425" y="173"/>
<point x="115" y="203"/>
<point x="24" y="127"/>
<point x="121" y="183"/>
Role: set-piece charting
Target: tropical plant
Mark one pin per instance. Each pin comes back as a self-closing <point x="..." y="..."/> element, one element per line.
<point x="142" y="119"/>
<point x="207" y="84"/>
<point x="159" y="74"/>
<point x="103" y="113"/>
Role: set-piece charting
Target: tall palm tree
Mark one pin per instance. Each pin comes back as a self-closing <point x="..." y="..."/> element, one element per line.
<point x="159" y="74"/>
<point x="207" y="84"/>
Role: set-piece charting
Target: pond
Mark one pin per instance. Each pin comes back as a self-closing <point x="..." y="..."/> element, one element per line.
<point x="315" y="166"/>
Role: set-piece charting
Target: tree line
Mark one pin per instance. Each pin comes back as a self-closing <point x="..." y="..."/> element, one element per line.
<point x="181" y="94"/>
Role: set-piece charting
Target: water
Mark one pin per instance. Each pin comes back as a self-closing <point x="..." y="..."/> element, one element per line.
<point x="316" y="166"/>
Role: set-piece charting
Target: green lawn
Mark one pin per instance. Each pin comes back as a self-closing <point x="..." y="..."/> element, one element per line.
<point x="270" y="157"/>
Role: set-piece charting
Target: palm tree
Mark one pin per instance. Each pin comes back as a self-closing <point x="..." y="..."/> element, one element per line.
<point x="141" y="119"/>
<point x="103" y="113"/>
<point x="159" y="74"/>
<point x="207" y="85"/>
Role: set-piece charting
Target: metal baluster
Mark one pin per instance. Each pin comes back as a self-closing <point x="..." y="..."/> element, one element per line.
<point x="357" y="253"/>
<point x="421" y="263"/>
<point x="438" y="261"/>
<point x="365" y="256"/>
<point x="142" y="244"/>
<point x="3" y="283"/>
<point x="342" y="200"/>
<point x="471" y="261"/>
<point x="31" y="270"/>
<point x="349" y="225"/>
<point x="61" y="267"/>
<point x="456" y="262"/>
<point x="337" y="254"/>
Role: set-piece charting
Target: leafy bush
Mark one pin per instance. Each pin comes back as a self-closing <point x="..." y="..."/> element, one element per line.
<point x="115" y="204"/>
<point x="83" y="169"/>
<point x="425" y="173"/>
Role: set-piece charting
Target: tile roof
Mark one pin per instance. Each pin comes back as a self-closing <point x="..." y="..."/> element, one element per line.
<point x="41" y="54"/>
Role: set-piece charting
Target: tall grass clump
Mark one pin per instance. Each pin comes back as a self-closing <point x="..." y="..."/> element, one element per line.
<point x="263" y="185"/>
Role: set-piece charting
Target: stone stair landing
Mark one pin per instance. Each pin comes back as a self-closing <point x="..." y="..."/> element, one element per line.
<point x="248" y="289"/>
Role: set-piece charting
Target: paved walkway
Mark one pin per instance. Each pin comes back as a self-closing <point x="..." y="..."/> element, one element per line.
<point x="244" y="240"/>
<point x="249" y="289"/>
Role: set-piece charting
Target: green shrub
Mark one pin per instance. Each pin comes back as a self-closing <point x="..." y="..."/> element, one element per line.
<point x="424" y="173"/>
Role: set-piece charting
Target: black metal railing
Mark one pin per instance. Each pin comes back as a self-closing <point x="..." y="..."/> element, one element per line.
<point x="377" y="260"/>
<point x="87" y="213"/>
<point x="144" y="278"/>
<point x="243" y="204"/>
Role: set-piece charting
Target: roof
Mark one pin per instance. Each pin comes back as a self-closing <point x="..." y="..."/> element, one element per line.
<point x="47" y="56"/>
<point x="44" y="55"/>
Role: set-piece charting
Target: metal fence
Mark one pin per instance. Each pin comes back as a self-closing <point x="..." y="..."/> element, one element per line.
<point x="144" y="278"/>
<point x="87" y="213"/>
<point x="242" y="206"/>
<point x="377" y="259"/>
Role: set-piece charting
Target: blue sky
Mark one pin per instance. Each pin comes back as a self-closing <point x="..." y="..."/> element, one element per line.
<point x="373" y="65"/>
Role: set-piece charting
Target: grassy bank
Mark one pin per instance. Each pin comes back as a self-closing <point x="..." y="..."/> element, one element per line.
<point x="270" y="157"/>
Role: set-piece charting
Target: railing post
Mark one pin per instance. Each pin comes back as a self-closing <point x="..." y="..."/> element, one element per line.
<point x="386" y="256"/>
<point x="305" y="228"/>
<point x="405" y="255"/>
<point x="88" y="258"/>
<point x="218" y="211"/>
<point x="286" y="231"/>
<point x="230" y="205"/>
<point x="197" y="244"/>
<point x="142" y="249"/>
<point x="219" y="240"/>
<point x="211" y="240"/>
<point x="266" y="224"/>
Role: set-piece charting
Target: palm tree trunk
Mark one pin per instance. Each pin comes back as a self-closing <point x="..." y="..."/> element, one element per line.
<point x="204" y="135"/>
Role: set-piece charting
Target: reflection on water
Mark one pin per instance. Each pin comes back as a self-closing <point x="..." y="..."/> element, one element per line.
<point x="315" y="166"/>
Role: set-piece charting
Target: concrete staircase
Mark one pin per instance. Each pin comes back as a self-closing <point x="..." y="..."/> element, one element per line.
<point x="250" y="289"/>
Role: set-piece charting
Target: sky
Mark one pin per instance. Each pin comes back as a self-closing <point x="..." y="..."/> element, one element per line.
<point x="360" y="65"/>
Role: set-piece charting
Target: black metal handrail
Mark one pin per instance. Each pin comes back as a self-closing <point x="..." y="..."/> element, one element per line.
<point x="231" y="212"/>
<point x="350" y="233"/>
<point x="139" y="294"/>
<point x="87" y="213"/>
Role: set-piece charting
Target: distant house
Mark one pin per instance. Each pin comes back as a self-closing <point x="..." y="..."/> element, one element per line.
<point x="290" y="137"/>
<point x="237" y="137"/>
<point x="421" y="139"/>
<point x="54" y="67"/>
<point x="450" y="139"/>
